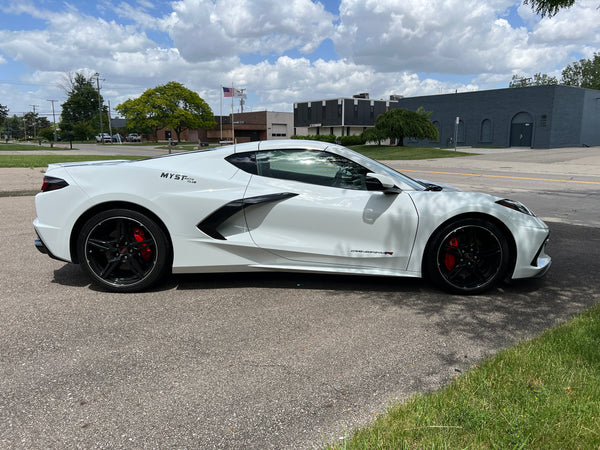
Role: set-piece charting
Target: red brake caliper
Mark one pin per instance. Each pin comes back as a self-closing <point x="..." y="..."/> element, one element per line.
<point x="449" y="258"/>
<point x="139" y="236"/>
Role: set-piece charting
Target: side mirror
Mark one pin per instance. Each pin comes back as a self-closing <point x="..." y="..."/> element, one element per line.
<point x="381" y="182"/>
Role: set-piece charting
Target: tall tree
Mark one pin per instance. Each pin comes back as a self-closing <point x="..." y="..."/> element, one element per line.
<point x="172" y="106"/>
<point x="585" y="73"/>
<point x="81" y="105"/>
<point x="3" y="113"/>
<point x="13" y="126"/>
<point x="398" y="124"/>
<point x="548" y="7"/>
<point x="539" y="79"/>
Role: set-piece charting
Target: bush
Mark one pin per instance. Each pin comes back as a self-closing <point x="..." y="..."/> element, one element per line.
<point x="351" y="140"/>
<point x="318" y="137"/>
<point x="333" y="139"/>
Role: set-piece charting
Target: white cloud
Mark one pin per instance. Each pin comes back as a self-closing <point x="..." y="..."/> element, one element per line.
<point x="459" y="36"/>
<point x="204" y="30"/>
<point x="383" y="46"/>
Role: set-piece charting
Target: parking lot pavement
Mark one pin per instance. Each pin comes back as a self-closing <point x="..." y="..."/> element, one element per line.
<point x="244" y="360"/>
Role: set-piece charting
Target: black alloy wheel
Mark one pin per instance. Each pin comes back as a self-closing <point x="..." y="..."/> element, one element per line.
<point x="123" y="250"/>
<point x="468" y="256"/>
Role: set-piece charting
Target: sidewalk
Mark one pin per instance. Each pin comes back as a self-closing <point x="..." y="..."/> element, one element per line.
<point x="570" y="161"/>
<point x="567" y="162"/>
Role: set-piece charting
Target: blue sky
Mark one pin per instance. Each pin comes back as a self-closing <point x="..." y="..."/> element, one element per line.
<point x="282" y="52"/>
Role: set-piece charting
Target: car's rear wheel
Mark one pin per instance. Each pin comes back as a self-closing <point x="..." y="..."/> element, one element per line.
<point x="468" y="256"/>
<point x="123" y="250"/>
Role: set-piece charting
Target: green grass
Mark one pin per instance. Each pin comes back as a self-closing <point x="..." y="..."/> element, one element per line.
<point x="25" y="147"/>
<point x="385" y="152"/>
<point x="544" y="393"/>
<point x="44" y="160"/>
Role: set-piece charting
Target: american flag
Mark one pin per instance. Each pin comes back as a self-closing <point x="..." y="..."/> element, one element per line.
<point x="228" y="92"/>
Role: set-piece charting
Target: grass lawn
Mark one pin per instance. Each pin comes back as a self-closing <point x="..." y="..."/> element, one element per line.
<point x="543" y="393"/>
<point x="44" y="160"/>
<point x="24" y="147"/>
<point x="386" y="152"/>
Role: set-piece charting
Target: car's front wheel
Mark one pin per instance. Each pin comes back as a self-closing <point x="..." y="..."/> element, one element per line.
<point x="123" y="250"/>
<point x="468" y="256"/>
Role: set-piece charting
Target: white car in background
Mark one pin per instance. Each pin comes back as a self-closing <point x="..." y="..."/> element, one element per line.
<point x="134" y="137"/>
<point x="103" y="137"/>
<point x="286" y="205"/>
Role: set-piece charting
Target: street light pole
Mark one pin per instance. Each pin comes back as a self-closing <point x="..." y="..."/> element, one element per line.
<point x="97" y="75"/>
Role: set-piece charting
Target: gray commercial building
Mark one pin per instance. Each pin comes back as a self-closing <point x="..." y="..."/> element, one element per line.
<point x="339" y="116"/>
<point x="537" y="116"/>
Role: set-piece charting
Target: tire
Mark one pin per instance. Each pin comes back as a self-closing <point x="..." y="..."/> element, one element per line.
<point x="123" y="250"/>
<point x="468" y="256"/>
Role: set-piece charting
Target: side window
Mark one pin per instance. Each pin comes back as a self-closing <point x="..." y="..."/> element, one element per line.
<point x="244" y="161"/>
<point x="314" y="167"/>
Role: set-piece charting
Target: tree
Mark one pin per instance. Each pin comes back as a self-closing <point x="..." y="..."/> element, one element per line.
<point x="548" y="7"/>
<point x="539" y="79"/>
<point x="172" y="106"/>
<point x="81" y="105"/>
<point x="398" y="124"/>
<point x="13" y="126"/>
<point x="47" y="133"/>
<point x="3" y="113"/>
<point x="373" y="134"/>
<point x="35" y="122"/>
<point x="585" y="73"/>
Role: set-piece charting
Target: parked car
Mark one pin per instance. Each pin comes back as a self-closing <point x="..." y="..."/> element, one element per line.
<point x="118" y="138"/>
<point x="103" y="137"/>
<point x="280" y="205"/>
<point x="134" y="137"/>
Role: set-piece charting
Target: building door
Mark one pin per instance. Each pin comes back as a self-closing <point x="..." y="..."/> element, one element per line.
<point x="521" y="130"/>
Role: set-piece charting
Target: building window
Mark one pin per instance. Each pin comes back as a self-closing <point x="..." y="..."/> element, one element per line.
<point x="485" y="134"/>
<point x="356" y="112"/>
<point x="543" y="120"/>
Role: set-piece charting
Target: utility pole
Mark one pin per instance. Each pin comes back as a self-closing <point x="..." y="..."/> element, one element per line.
<point x="53" y="118"/>
<point x="109" y="124"/>
<point x="97" y="75"/>
<point x="34" y="121"/>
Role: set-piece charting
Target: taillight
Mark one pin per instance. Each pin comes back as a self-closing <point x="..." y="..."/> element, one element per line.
<point x="53" y="183"/>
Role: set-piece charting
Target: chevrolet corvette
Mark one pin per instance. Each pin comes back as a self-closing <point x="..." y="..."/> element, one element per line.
<point x="284" y="205"/>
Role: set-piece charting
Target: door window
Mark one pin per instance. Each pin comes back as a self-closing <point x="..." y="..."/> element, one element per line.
<point x="306" y="166"/>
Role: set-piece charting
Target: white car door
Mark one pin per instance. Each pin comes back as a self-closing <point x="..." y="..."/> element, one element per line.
<point x="326" y="215"/>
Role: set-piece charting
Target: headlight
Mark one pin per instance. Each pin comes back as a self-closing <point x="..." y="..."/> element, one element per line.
<point x="517" y="206"/>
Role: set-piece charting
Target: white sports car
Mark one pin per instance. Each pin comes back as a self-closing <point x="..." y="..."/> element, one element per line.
<point x="288" y="205"/>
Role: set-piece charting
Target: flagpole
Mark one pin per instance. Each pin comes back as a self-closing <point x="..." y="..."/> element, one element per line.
<point x="221" y="115"/>
<point x="232" y="121"/>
